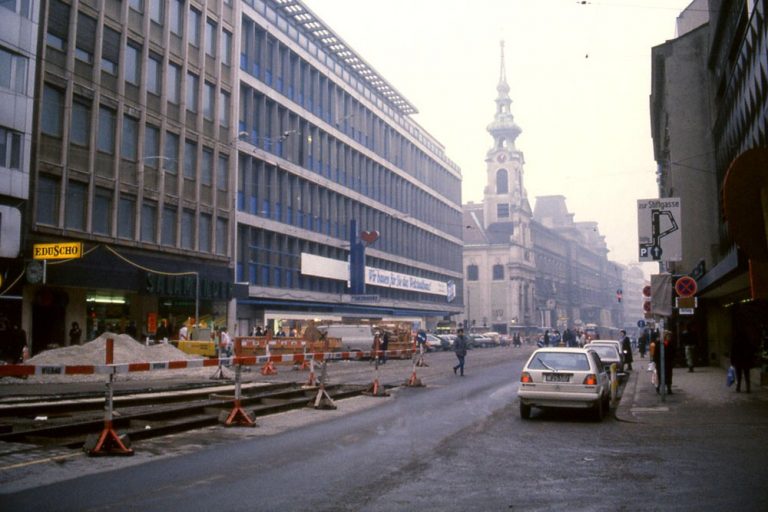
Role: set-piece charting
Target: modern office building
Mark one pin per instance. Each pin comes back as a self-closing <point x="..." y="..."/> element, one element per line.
<point x="133" y="158"/>
<point x="18" y="46"/>
<point x="709" y="118"/>
<point x="331" y="163"/>
<point x="531" y="269"/>
<point x="283" y="183"/>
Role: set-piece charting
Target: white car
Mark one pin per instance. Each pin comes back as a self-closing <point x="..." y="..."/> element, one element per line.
<point x="433" y="343"/>
<point x="563" y="377"/>
<point x="609" y="355"/>
<point x="613" y="343"/>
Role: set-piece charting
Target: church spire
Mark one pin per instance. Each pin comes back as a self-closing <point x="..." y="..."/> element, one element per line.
<point x="503" y="129"/>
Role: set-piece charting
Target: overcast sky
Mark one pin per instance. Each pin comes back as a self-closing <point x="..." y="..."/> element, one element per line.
<point x="580" y="80"/>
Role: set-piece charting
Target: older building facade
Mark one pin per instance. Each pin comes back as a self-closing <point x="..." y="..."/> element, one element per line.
<point x="528" y="270"/>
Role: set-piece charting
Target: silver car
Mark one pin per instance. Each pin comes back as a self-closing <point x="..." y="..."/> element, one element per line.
<point x="609" y="355"/>
<point x="562" y="377"/>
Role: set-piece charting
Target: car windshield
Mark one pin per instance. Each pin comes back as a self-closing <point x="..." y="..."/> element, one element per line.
<point x="559" y="361"/>
<point x="605" y="351"/>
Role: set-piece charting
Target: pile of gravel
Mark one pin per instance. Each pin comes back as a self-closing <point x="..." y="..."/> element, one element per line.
<point x="125" y="350"/>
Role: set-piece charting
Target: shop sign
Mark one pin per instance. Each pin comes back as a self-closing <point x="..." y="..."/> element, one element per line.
<point x="184" y="286"/>
<point x="58" y="251"/>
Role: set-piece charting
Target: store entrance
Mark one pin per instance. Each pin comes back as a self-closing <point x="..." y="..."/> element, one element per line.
<point x="48" y="319"/>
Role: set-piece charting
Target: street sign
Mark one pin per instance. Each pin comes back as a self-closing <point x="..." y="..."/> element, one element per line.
<point x="641" y="323"/>
<point x="685" y="287"/>
<point x="658" y="229"/>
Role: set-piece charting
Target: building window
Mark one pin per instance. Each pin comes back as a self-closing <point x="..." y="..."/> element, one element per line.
<point x="151" y="146"/>
<point x="209" y="96"/>
<point x="86" y="38"/>
<point x="130" y="139"/>
<point x="80" y="133"/>
<point x="136" y="5"/>
<point x="473" y="273"/>
<point x="176" y="17"/>
<point x="502" y="211"/>
<point x="154" y="75"/>
<point x="110" y="51"/>
<point x="126" y="214"/>
<point x="75" y="205"/>
<point x="222" y="174"/>
<point x="10" y="149"/>
<point x="190" y="159"/>
<point x="173" y="82"/>
<point x="205" y="233"/>
<point x="47" y="197"/>
<point x="106" y="134"/>
<point x="13" y="71"/>
<point x="102" y="211"/>
<point x="149" y="222"/>
<point x="210" y="38"/>
<point x="53" y="106"/>
<point x="20" y="7"/>
<point x="171" y="158"/>
<point x="193" y="84"/>
<point x="156" y="11"/>
<point x="169" y="226"/>
<point x="222" y="238"/>
<point x="188" y="229"/>
<point x="226" y="47"/>
<point x="224" y="108"/>
<point x="193" y="27"/>
<point x="206" y="168"/>
<point x="133" y="64"/>
<point x="58" y="25"/>
<point x="498" y="272"/>
<point x="502" y="182"/>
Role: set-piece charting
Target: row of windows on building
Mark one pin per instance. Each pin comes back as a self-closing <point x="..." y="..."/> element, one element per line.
<point x="159" y="76"/>
<point x="312" y="148"/>
<point x="280" y="68"/>
<point x="103" y="211"/>
<point x="21" y="7"/>
<point x="266" y="258"/>
<point x="159" y="146"/>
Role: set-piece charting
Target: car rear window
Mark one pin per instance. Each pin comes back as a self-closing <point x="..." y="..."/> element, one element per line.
<point x="559" y="361"/>
<point x="605" y="351"/>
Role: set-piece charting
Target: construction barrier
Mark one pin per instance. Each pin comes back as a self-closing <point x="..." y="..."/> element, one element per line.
<point x="109" y="442"/>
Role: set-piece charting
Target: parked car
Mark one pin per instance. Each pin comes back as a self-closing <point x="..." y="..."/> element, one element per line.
<point x="433" y="343"/>
<point x="563" y="377"/>
<point x="480" y="340"/>
<point x="608" y="355"/>
<point x="613" y="343"/>
<point x="447" y="340"/>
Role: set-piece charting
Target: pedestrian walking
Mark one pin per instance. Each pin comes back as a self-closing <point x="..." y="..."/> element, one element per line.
<point x="642" y="343"/>
<point x="384" y="346"/>
<point x="626" y="348"/>
<point x="742" y="359"/>
<point x="460" y="348"/>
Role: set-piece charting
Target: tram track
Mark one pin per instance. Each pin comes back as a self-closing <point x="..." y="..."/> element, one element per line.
<point x="67" y="422"/>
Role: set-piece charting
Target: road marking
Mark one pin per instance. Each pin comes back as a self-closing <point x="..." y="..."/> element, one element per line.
<point x="39" y="461"/>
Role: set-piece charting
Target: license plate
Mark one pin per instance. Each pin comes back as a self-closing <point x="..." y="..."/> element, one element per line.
<point x="557" y="377"/>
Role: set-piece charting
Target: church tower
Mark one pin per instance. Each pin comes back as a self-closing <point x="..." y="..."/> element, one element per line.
<point x="504" y="289"/>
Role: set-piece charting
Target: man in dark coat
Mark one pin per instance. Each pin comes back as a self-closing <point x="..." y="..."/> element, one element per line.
<point x="742" y="359"/>
<point x="626" y="349"/>
<point x="460" y="348"/>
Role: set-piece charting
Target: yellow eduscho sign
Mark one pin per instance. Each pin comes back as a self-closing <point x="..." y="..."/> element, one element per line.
<point x="59" y="251"/>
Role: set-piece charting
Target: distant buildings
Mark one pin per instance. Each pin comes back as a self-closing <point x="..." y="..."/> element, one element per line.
<point x="525" y="269"/>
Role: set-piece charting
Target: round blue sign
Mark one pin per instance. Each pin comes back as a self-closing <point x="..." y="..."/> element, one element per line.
<point x="641" y="323"/>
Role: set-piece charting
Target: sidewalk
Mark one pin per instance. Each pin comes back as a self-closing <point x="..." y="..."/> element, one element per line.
<point x="695" y="397"/>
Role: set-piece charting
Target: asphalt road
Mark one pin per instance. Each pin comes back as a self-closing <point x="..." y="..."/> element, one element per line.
<point x="457" y="444"/>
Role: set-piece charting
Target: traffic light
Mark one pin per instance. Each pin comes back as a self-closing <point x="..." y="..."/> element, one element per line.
<point x="618" y="295"/>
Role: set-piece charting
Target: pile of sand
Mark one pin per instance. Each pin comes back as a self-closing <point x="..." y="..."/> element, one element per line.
<point x="125" y="350"/>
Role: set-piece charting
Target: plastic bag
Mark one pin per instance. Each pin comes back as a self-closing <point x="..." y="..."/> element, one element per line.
<point x="651" y="367"/>
<point x="731" y="376"/>
<point x="655" y="378"/>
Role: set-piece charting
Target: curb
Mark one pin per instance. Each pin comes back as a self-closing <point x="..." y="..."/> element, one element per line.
<point x="623" y="410"/>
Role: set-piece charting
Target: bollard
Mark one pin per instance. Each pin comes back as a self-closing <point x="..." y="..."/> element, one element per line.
<point x="614" y="382"/>
<point x="108" y="442"/>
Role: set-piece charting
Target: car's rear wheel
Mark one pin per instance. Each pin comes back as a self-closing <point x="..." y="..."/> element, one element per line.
<point x="525" y="411"/>
<point x="600" y="410"/>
